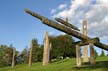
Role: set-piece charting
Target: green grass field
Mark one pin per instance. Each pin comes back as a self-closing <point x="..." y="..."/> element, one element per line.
<point x="63" y="65"/>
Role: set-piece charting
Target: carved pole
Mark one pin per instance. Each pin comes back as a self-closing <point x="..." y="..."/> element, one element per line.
<point x="78" y="59"/>
<point x="30" y="55"/>
<point x="13" y="57"/>
<point x="92" y="60"/>
<point x="46" y="50"/>
<point x="85" y="49"/>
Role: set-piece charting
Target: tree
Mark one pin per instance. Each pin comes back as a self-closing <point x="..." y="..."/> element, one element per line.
<point x="39" y="53"/>
<point x="2" y="55"/>
<point x="62" y="46"/>
<point x="6" y="54"/>
<point x="102" y="53"/>
<point x="25" y="55"/>
<point x="95" y="54"/>
<point x="34" y="50"/>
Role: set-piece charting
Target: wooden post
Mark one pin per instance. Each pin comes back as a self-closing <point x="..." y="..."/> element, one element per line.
<point x="46" y="50"/>
<point x="30" y="55"/>
<point x="13" y="57"/>
<point x="78" y="59"/>
<point x="85" y="49"/>
<point x="92" y="60"/>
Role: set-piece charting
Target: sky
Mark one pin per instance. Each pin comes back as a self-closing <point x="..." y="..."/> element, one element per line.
<point x="18" y="28"/>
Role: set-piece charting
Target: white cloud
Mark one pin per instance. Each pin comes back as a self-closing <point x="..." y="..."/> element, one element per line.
<point x="103" y="2"/>
<point x="96" y="13"/>
<point x="71" y="10"/>
<point x="99" y="27"/>
<point x="55" y="33"/>
<point x="62" y="33"/>
<point x="51" y="32"/>
<point x="80" y="2"/>
<point x="53" y="11"/>
<point x="62" y="6"/>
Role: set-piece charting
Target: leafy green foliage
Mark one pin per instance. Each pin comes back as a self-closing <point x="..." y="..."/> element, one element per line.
<point x="95" y="54"/>
<point x="62" y="46"/>
<point x="39" y="53"/>
<point x="34" y="50"/>
<point x="6" y="53"/>
<point x="24" y="56"/>
<point x="102" y="53"/>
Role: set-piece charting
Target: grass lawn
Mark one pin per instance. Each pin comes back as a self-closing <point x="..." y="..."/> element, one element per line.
<point x="63" y="65"/>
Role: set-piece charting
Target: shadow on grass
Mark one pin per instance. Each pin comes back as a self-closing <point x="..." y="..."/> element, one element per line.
<point x="87" y="67"/>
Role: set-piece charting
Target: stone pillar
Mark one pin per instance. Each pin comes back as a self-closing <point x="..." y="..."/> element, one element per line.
<point x="92" y="59"/>
<point x="46" y="50"/>
<point x="78" y="59"/>
<point x="30" y="55"/>
<point x="13" y="57"/>
<point x="85" y="49"/>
